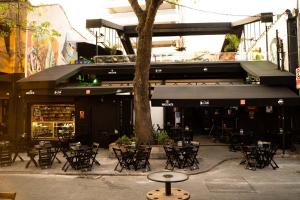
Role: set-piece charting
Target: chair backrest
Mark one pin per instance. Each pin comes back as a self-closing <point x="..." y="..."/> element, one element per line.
<point x="118" y="153"/>
<point x="96" y="147"/>
<point x="8" y="195"/>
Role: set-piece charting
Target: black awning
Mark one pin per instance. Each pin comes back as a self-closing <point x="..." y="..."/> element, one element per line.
<point x="80" y="91"/>
<point x="268" y="73"/>
<point x="50" y="77"/>
<point x="221" y="95"/>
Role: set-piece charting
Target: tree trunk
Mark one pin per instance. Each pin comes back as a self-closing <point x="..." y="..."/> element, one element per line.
<point x="143" y="123"/>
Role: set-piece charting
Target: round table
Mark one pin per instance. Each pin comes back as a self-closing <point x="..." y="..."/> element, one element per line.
<point x="168" y="178"/>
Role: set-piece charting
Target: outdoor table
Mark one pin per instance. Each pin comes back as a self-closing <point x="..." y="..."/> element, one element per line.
<point x="168" y="178"/>
<point x="34" y="152"/>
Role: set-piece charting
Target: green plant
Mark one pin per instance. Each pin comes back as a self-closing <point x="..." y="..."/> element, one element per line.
<point x="160" y="136"/>
<point x="125" y="140"/>
<point x="232" y="43"/>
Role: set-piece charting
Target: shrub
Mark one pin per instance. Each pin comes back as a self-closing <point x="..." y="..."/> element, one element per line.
<point x="160" y="136"/>
<point x="125" y="140"/>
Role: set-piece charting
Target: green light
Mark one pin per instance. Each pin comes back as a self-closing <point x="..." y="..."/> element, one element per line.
<point x="95" y="81"/>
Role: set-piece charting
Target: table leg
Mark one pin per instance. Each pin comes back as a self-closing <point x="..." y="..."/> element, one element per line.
<point x="168" y="189"/>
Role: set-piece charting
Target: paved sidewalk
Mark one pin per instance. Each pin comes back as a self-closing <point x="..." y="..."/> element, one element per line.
<point x="208" y="156"/>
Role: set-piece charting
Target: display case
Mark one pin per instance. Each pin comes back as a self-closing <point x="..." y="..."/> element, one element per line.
<point x="51" y="120"/>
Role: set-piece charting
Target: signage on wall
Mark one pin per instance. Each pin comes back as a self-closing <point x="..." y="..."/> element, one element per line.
<point x="242" y="101"/>
<point x="57" y="92"/>
<point x="167" y="103"/>
<point x="298" y="78"/>
<point x="30" y="92"/>
<point x="81" y="114"/>
<point x="87" y="91"/>
<point x="204" y="102"/>
<point x="112" y="72"/>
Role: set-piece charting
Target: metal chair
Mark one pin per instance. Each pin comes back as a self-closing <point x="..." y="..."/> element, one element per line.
<point x="5" y="154"/>
<point x="141" y="160"/>
<point x="95" y="152"/>
<point x="172" y="158"/>
<point x="125" y="159"/>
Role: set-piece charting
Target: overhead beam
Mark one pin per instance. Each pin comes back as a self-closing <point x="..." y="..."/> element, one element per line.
<point x="126" y="42"/>
<point x="246" y="20"/>
<point x="98" y="23"/>
<point x="184" y="29"/>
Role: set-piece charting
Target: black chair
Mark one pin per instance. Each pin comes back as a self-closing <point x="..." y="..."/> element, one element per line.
<point x="250" y="157"/>
<point x="271" y="154"/>
<point x="141" y="160"/>
<point x="125" y="159"/>
<point x="85" y="159"/>
<point x="5" y="154"/>
<point x="172" y="158"/>
<point x="191" y="157"/>
<point x="70" y="160"/>
<point x="23" y="144"/>
<point x="95" y="152"/>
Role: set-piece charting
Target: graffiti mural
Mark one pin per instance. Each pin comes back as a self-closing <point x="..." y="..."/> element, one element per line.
<point x="54" y="42"/>
<point x="42" y="53"/>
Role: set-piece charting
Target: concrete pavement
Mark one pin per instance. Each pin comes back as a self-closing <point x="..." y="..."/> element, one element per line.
<point x="208" y="156"/>
<point x="227" y="181"/>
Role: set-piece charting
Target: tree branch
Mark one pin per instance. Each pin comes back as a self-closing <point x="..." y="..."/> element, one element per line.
<point x="151" y="12"/>
<point x="136" y="8"/>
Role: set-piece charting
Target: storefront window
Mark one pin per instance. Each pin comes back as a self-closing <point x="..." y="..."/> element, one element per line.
<point x="52" y="120"/>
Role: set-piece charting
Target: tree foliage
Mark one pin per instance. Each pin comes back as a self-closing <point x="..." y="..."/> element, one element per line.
<point x="232" y="43"/>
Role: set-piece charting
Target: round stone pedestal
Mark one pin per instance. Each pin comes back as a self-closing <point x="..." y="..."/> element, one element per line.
<point x="176" y="194"/>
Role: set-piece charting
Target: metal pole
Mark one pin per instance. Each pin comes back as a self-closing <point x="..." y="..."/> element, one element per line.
<point x="283" y="134"/>
<point x="168" y="189"/>
<point x="267" y="45"/>
<point x="96" y="43"/>
<point x="278" y="50"/>
<point x="298" y="32"/>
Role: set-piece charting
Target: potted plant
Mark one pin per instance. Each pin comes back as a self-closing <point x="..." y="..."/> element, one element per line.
<point x="232" y="43"/>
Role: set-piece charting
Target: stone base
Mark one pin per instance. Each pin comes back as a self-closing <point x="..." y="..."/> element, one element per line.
<point x="159" y="194"/>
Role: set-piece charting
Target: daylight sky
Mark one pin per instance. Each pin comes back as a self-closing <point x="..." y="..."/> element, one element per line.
<point x="80" y="10"/>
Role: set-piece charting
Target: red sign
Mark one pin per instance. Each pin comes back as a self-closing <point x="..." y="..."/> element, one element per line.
<point x="298" y="78"/>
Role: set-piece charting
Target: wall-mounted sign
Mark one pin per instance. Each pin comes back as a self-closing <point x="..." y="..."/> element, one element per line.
<point x="242" y="101"/>
<point x="30" y="92"/>
<point x="81" y="114"/>
<point x="204" y="102"/>
<point x="57" y="92"/>
<point x="158" y="70"/>
<point x="87" y="91"/>
<point x="112" y="72"/>
<point x="298" y="78"/>
<point x="167" y="103"/>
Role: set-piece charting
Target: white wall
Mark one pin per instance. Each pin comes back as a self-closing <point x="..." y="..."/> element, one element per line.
<point x="157" y="115"/>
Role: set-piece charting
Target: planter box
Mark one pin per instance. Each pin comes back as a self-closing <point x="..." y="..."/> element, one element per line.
<point x="157" y="151"/>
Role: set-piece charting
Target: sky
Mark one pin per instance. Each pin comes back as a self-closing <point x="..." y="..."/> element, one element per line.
<point x="80" y="10"/>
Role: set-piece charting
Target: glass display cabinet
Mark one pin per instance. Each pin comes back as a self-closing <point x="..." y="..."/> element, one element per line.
<point x="51" y="120"/>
